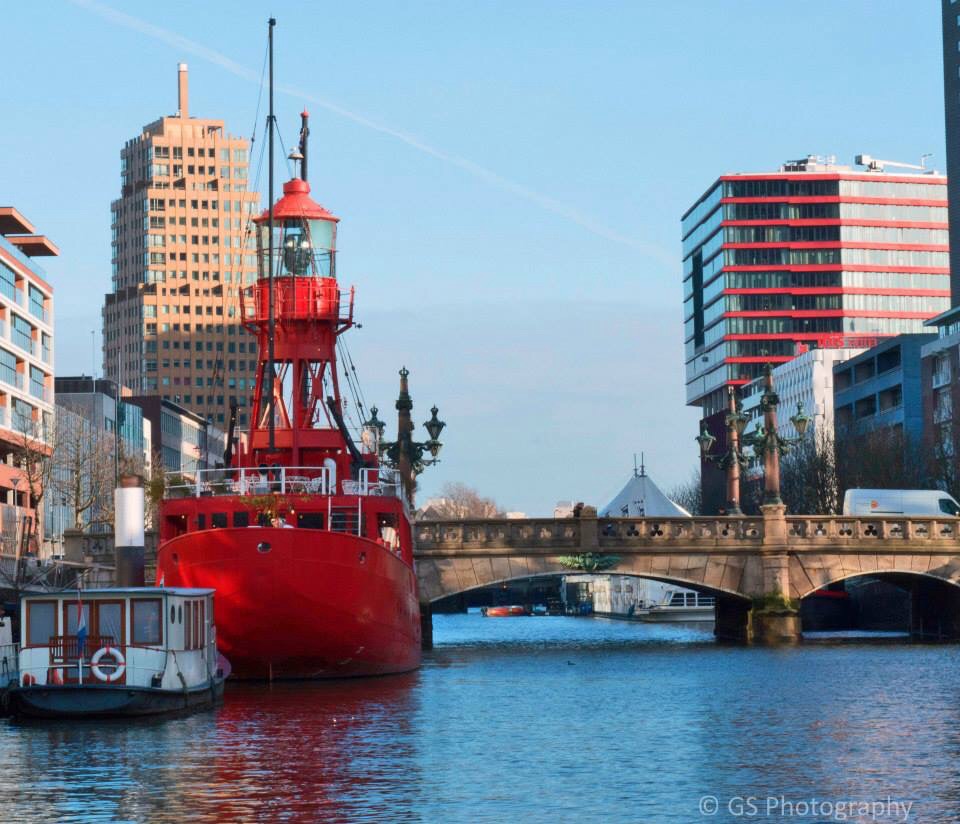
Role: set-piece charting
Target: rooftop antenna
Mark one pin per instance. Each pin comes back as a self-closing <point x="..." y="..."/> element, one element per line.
<point x="642" y="471"/>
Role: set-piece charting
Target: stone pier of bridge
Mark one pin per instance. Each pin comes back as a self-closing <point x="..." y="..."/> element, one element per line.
<point x="757" y="568"/>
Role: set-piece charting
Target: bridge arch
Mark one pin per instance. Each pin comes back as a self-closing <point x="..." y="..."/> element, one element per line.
<point x="931" y="600"/>
<point x="808" y="574"/>
<point x="440" y="578"/>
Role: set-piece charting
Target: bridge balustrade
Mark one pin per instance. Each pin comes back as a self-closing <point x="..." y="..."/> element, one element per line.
<point x="527" y="532"/>
<point x="839" y="529"/>
<point x="801" y="532"/>
<point x="617" y="531"/>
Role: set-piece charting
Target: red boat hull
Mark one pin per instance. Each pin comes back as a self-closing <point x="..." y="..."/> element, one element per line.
<point x="297" y="603"/>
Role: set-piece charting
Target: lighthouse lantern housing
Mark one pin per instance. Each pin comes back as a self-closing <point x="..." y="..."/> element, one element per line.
<point x="304" y="236"/>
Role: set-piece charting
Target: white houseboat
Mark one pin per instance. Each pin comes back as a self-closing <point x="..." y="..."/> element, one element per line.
<point x="117" y="652"/>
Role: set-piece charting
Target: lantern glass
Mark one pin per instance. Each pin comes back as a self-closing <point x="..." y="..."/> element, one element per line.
<point x="800" y="421"/>
<point x="434" y="426"/>
<point x="706" y="441"/>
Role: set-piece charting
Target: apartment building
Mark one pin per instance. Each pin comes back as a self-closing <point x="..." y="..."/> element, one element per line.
<point x="26" y="365"/>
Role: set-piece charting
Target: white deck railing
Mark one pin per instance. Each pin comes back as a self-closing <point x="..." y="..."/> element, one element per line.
<point x="306" y="480"/>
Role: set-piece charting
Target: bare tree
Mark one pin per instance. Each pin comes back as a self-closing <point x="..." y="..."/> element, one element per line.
<point x="155" y="485"/>
<point x="34" y="443"/>
<point x="884" y="458"/>
<point x="815" y="474"/>
<point x="83" y="469"/>
<point x="458" y="501"/>
<point x="808" y="476"/>
<point x="688" y="494"/>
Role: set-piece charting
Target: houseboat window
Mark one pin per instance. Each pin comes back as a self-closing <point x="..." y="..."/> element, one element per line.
<point x="145" y="621"/>
<point x="218" y="520"/>
<point x="188" y="625"/>
<point x="197" y="624"/>
<point x="70" y="617"/>
<point x="201" y="521"/>
<point x="310" y="520"/>
<point x="41" y="621"/>
<point x="241" y="519"/>
<point x="110" y="620"/>
<point x="180" y="615"/>
<point x="173" y="615"/>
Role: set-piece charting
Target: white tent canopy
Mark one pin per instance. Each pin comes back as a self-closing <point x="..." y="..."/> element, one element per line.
<point x="640" y="498"/>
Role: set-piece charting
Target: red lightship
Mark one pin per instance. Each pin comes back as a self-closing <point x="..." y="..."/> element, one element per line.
<point x="305" y="537"/>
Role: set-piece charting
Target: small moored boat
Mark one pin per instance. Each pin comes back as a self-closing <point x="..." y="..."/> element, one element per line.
<point x="116" y="652"/>
<point x="502" y="612"/>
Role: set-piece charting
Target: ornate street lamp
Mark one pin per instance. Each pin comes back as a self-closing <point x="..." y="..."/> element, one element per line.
<point x="732" y="460"/>
<point x="769" y="444"/>
<point x="407" y="456"/>
<point x="800" y="421"/>
<point x="375" y="423"/>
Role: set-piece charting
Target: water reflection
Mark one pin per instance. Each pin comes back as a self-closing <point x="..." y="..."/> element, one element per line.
<point x="528" y="719"/>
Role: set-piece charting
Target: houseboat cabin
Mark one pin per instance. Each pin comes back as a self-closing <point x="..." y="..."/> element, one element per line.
<point x="134" y="651"/>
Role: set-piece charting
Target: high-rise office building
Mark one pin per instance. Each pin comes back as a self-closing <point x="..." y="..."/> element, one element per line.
<point x="815" y="255"/>
<point x="182" y="250"/>
<point x="951" y="117"/>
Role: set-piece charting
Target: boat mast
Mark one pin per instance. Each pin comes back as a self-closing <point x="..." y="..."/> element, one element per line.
<point x="271" y="324"/>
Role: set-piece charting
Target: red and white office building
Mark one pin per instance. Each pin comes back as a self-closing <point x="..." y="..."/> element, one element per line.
<point x="815" y="255"/>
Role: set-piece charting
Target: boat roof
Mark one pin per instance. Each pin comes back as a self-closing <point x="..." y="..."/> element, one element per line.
<point x="185" y="592"/>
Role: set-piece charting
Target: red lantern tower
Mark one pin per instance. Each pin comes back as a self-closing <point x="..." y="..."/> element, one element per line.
<point x="297" y="414"/>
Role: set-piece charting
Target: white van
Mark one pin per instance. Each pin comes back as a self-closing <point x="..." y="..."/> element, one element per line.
<point x="920" y="502"/>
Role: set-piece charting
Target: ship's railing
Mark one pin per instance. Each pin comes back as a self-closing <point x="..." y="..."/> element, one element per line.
<point x="297" y="298"/>
<point x="61" y="662"/>
<point x="65" y="648"/>
<point x="375" y="481"/>
<point x="293" y="480"/>
<point x="263" y="480"/>
<point x="9" y="663"/>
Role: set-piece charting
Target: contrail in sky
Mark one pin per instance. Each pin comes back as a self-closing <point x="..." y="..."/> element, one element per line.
<point x="184" y="44"/>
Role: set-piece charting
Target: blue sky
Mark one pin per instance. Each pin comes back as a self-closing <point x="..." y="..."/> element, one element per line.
<point x="509" y="175"/>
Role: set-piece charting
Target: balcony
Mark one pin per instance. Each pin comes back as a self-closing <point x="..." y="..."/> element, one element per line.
<point x="14" y="379"/>
<point x="941" y="372"/>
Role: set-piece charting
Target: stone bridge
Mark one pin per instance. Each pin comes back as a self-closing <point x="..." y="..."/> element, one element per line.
<point x="757" y="568"/>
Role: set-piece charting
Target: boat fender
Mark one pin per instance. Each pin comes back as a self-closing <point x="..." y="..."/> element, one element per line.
<point x="29" y="680"/>
<point x="55" y="675"/>
<point x="118" y="671"/>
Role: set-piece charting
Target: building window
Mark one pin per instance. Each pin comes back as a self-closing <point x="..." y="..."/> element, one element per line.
<point x="22" y="333"/>
<point x="36" y="382"/>
<point x="7" y="282"/>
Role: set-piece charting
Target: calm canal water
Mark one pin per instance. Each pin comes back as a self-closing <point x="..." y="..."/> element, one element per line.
<point x="529" y="720"/>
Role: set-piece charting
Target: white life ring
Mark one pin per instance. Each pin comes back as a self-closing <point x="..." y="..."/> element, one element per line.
<point x="118" y="671"/>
